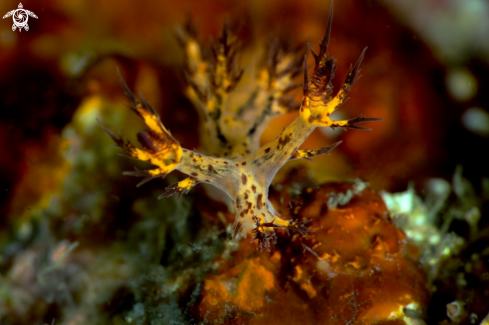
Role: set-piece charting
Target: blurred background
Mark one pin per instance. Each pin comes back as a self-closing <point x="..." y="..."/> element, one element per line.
<point x="426" y="73"/>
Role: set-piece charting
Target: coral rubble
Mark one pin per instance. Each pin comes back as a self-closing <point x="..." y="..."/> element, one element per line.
<point x="355" y="267"/>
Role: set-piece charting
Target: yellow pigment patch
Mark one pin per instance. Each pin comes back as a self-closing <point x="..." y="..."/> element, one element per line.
<point x="187" y="183"/>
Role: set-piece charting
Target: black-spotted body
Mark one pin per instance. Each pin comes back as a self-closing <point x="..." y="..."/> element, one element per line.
<point x="234" y="162"/>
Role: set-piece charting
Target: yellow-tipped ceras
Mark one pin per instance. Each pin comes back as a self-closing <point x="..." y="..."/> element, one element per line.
<point x="246" y="179"/>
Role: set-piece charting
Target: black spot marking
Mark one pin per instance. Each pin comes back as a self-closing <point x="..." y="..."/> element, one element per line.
<point x="253" y="188"/>
<point x="212" y="169"/>
<point x="249" y="206"/>
<point x="258" y="201"/>
<point x="220" y="136"/>
<point x="243" y="163"/>
<point x="267" y="150"/>
<point x="194" y="174"/>
<point x="283" y="141"/>
<point x="267" y="157"/>
<point x="244" y="179"/>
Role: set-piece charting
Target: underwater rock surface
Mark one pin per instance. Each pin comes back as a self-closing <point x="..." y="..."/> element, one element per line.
<point x="355" y="268"/>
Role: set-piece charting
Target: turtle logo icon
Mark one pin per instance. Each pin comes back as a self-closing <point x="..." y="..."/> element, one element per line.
<point x="20" y="16"/>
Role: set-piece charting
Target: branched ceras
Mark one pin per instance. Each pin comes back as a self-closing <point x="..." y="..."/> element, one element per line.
<point x="234" y="162"/>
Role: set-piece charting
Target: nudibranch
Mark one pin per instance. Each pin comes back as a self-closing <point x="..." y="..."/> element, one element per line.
<point x="234" y="161"/>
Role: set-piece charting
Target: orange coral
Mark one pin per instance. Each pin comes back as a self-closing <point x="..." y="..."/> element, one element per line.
<point x="355" y="268"/>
